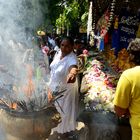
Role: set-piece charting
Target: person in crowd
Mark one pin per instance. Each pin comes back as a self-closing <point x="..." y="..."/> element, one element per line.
<point x="51" y="41"/>
<point x="127" y="97"/>
<point x="79" y="50"/>
<point x="78" y="47"/>
<point x="45" y="46"/>
<point x="45" y="50"/>
<point x="63" y="75"/>
<point x="51" y="44"/>
<point x="57" y="46"/>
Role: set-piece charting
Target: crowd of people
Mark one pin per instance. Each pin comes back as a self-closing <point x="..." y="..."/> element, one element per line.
<point x="63" y="54"/>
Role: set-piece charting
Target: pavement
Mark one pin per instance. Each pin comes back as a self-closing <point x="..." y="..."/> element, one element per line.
<point x="81" y="133"/>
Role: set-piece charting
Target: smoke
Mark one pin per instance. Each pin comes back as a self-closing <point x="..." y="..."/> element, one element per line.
<point x="16" y="17"/>
<point x="2" y="134"/>
<point x="19" y="19"/>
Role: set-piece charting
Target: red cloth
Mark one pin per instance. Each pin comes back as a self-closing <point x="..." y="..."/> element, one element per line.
<point x="106" y="38"/>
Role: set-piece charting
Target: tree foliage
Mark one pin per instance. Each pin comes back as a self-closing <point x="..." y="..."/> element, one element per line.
<point x="64" y="13"/>
<point x="74" y="13"/>
<point x="70" y="12"/>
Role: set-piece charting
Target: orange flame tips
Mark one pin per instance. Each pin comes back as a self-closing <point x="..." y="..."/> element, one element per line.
<point x="14" y="106"/>
<point x="29" y="88"/>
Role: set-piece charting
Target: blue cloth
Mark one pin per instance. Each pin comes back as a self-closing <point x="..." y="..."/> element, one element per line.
<point x="101" y="48"/>
<point x="115" y="41"/>
<point x="128" y="25"/>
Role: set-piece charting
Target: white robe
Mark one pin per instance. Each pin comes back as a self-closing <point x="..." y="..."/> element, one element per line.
<point x="69" y="102"/>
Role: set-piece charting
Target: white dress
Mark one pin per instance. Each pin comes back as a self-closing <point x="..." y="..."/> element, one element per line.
<point x="69" y="102"/>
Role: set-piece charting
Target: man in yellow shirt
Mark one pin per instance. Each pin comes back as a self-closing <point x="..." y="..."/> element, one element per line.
<point x="127" y="97"/>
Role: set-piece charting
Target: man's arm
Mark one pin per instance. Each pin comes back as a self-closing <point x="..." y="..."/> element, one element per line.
<point x="122" y="97"/>
<point x="121" y="112"/>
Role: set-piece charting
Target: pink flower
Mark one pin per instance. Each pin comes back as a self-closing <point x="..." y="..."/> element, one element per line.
<point x="85" y="51"/>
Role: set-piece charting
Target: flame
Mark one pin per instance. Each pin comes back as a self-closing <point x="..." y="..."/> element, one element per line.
<point x="29" y="88"/>
<point x="49" y="95"/>
<point x="13" y="106"/>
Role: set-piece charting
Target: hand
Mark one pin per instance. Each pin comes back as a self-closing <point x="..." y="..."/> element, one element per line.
<point x="71" y="78"/>
<point x="127" y="114"/>
<point x="121" y="112"/>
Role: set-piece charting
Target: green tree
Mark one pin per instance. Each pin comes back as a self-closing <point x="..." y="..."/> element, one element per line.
<point x="71" y="14"/>
<point x="64" y="14"/>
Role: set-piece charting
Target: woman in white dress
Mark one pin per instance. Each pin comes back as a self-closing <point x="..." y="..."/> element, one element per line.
<point x="63" y="72"/>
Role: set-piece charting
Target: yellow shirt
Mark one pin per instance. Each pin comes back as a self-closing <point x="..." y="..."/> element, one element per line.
<point x="128" y="96"/>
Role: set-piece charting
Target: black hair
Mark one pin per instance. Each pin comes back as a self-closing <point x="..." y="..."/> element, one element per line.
<point x="77" y="41"/>
<point x="70" y="39"/>
<point x="134" y="50"/>
<point x="136" y="55"/>
<point x="57" y="41"/>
